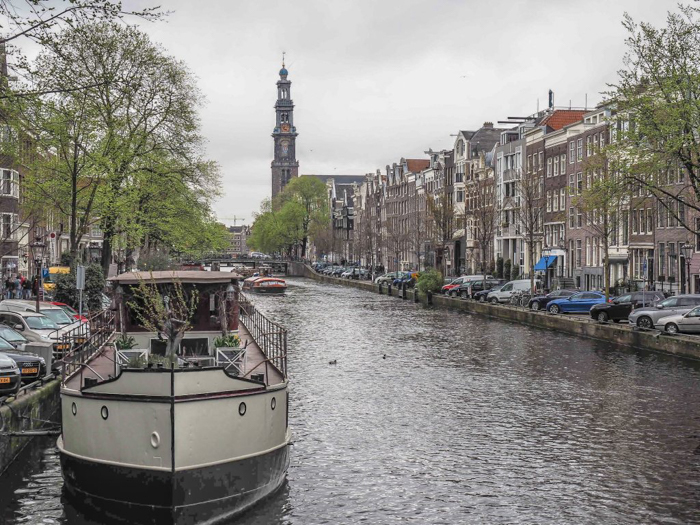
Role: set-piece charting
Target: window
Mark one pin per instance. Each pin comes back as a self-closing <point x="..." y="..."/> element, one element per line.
<point x="572" y="152"/>
<point x="460" y="195"/>
<point x="672" y="259"/>
<point x="588" y="251"/>
<point x="697" y="236"/>
<point x="555" y="201"/>
<point x="556" y="166"/>
<point x="595" y="142"/>
<point x="625" y="228"/>
<point x="572" y="184"/>
<point x="549" y="201"/>
<point x="579" y="149"/>
<point x="662" y="259"/>
<point x="578" y="253"/>
<point x="562" y="199"/>
<point x="529" y="163"/>
<point x="589" y="145"/>
<point x="579" y="183"/>
<point x="602" y="140"/>
<point x="9" y="183"/>
<point x="579" y="219"/>
<point x="562" y="161"/>
<point x="540" y="164"/>
<point x="572" y="221"/>
<point x="9" y="224"/>
<point x="549" y="167"/>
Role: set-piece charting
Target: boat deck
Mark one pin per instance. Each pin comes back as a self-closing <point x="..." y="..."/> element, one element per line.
<point x="102" y="365"/>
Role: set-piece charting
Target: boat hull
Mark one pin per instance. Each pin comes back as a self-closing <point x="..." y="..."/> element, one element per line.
<point x="269" y="289"/>
<point x="198" y="495"/>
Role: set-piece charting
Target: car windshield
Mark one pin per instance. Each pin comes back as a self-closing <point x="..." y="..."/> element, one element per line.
<point x="4" y="345"/>
<point x="671" y="301"/>
<point x="68" y="309"/>
<point x="57" y="315"/>
<point x="10" y="335"/>
<point x="40" y="322"/>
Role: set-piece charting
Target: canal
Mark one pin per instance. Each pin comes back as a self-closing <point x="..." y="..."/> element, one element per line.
<point x="438" y="417"/>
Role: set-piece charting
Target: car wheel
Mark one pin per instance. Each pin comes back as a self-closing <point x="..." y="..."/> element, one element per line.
<point x="463" y="295"/>
<point x="672" y="328"/>
<point x="645" y="322"/>
<point x="554" y="309"/>
<point x="453" y="294"/>
<point x="494" y="300"/>
<point x="603" y="317"/>
<point x="535" y="305"/>
<point x="482" y="299"/>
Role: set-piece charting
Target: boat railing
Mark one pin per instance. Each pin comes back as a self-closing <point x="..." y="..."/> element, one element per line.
<point x="84" y="342"/>
<point x="271" y="337"/>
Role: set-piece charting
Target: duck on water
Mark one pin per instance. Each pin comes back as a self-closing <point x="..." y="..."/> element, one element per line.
<point x="194" y="438"/>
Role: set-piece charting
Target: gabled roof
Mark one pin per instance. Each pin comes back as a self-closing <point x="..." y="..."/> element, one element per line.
<point x="562" y="117"/>
<point x="417" y="165"/>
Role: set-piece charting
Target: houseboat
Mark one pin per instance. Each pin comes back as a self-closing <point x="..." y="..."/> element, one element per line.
<point x="195" y="438"/>
<point x="259" y="284"/>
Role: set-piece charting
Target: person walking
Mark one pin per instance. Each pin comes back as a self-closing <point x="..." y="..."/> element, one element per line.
<point x="18" y="287"/>
<point x="27" y="288"/>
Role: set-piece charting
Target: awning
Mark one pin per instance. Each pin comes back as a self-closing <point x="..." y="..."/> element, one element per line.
<point x="545" y="262"/>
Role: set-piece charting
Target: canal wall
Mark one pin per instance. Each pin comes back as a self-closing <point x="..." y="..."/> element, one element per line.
<point x="27" y="412"/>
<point x="619" y="334"/>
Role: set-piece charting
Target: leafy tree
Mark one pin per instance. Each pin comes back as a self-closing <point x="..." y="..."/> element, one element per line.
<point x="66" y="291"/>
<point x="430" y="280"/>
<point x="506" y="270"/>
<point x="499" y="268"/>
<point x="310" y="194"/>
<point x="655" y="138"/>
<point x="515" y="272"/>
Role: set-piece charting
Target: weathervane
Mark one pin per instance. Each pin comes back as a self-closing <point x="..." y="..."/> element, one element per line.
<point x="283" y="53"/>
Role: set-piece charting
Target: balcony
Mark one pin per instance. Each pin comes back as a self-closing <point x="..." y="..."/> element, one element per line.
<point x="510" y="175"/>
<point x="509" y="230"/>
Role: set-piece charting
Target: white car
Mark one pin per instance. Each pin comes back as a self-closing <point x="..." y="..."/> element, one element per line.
<point x="507" y="290"/>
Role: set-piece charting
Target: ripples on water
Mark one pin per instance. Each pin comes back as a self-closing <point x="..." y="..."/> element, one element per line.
<point x="466" y="420"/>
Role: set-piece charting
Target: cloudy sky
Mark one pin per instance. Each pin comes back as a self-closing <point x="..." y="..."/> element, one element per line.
<point x="374" y="81"/>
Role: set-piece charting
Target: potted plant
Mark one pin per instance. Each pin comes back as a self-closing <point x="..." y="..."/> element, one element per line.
<point x="227" y="341"/>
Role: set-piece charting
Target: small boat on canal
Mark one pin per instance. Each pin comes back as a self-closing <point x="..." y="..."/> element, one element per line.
<point x="197" y="438"/>
<point x="260" y="284"/>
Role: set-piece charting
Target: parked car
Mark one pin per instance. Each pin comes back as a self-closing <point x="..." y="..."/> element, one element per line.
<point x="619" y="308"/>
<point x="649" y="317"/>
<point x="31" y="366"/>
<point x="481" y="296"/>
<point x="53" y="312"/>
<point x="10" y="376"/>
<point x="467" y="289"/>
<point x="506" y="292"/>
<point x="578" y="302"/>
<point x="540" y="302"/>
<point x="12" y="336"/>
<point x="456" y="283"/>
<point x="37" y="327"/>
<point x="688" y="323"/>
<point x="69" y="310"/>
<point x="386" y="278"/>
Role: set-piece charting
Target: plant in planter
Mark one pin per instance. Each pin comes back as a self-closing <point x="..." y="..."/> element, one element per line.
<point x="227" y="341"/>
<point x="124" y="342"/>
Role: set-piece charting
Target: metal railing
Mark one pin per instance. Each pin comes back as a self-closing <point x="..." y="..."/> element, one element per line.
<point x="84" y="342"/>
<point x="270" y="337"/>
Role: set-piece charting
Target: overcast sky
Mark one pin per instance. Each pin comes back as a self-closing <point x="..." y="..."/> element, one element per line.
<point x="374" y="81"/>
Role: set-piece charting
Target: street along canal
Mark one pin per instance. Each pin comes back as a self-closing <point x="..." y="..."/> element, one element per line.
<point x="466" y="420"/>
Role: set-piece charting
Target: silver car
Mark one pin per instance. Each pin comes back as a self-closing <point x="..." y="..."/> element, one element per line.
<point x="649" y="317"/>
<point x="688" y="322"/>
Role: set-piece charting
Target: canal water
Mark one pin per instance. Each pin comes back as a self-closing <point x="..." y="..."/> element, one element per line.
<point x="438" y="417"/>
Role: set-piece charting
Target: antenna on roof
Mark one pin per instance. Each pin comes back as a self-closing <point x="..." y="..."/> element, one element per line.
<point x="538" y="105"/>
<point x="586" y="103"/>
<point x="569" y="103"/>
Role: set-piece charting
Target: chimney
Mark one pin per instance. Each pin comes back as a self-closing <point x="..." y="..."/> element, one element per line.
<point x="551" y="99"/>
<point x="488" y="124"/>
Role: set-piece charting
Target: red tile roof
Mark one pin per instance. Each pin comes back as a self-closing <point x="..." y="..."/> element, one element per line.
<point x="562" y="117"/>
<point x="417" y="165"/>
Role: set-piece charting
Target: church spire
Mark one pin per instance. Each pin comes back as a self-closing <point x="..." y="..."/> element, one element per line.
<point x="284" y="165"/>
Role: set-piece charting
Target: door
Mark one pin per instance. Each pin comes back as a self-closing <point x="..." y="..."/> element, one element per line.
<point x="691" y="322"/>
<point x="505" y="292"/>
<point x="621" y="309"/>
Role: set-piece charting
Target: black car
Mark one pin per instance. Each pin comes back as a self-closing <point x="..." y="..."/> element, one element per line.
<point x="10" y="377"/>
<point x="13" y="337"/>
<point x="470" y="288"/>
<point x="482" y="294"/>
<point x="31" y="366"/>
<point x="540" y="302"/>
<point x="621" y="307"/>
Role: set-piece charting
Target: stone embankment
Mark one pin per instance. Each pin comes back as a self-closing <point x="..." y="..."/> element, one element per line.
<point x="620" y="334"/>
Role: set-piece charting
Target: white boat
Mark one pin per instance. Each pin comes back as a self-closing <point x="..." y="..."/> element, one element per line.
<point x="192" y="444"/>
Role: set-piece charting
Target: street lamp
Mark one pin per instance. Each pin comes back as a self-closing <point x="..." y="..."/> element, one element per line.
<point x="687" y="251"/>
<point x="37" y="248"/>
<point x="546" y="270"/>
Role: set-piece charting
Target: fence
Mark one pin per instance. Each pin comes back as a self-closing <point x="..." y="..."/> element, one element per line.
<point x="79" y="345"/>
<point x="271" y="337"/>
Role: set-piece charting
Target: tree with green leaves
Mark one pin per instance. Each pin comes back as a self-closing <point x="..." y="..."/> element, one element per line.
<point x="310" y="194"/>
<point x="655" y="135"/>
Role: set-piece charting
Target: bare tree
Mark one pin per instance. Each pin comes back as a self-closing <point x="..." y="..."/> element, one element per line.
<point x="528" y="204"/>
<point x="481" y="214"/>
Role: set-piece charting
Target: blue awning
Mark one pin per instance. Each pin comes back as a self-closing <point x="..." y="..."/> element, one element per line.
<point x="545" y="262"/>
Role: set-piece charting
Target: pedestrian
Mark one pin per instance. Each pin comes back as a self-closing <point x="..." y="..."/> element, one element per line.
<point x="10" y="286"/>
<point x="7" y="287"/>
<point x="18" y="287"/>
<point x="27" y="288"/>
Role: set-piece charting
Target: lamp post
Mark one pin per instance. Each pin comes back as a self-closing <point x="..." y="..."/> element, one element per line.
<point x="546" y="270"/>
<point x="687" y="251"/>
<point x="37" y="248"/>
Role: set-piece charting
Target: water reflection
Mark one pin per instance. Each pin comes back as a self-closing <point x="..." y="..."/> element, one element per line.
<point x="437" y="417"/>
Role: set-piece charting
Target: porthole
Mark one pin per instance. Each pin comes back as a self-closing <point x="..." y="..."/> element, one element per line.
<point x="74" y="409"/>
<point x="273" y="403"/>
<point x="155" y="440"/>
<point x="241" y="409"/>
<point x="104" y="412"/>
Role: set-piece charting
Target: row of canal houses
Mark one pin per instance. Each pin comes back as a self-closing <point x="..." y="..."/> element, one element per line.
<point x="425" y="211"/>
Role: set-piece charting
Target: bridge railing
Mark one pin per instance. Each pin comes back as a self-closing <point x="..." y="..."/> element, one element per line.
<point x="85" y="341"/>
<point x="271" y="337"/>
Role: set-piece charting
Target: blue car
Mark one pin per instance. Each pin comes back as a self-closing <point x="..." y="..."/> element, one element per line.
<point x="580" y="302"/>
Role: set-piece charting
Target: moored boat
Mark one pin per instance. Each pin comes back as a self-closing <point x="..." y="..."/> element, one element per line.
<point x="191" y="440"/>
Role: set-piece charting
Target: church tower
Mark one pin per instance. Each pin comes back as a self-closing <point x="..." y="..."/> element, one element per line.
<point x="285" y="165"/>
